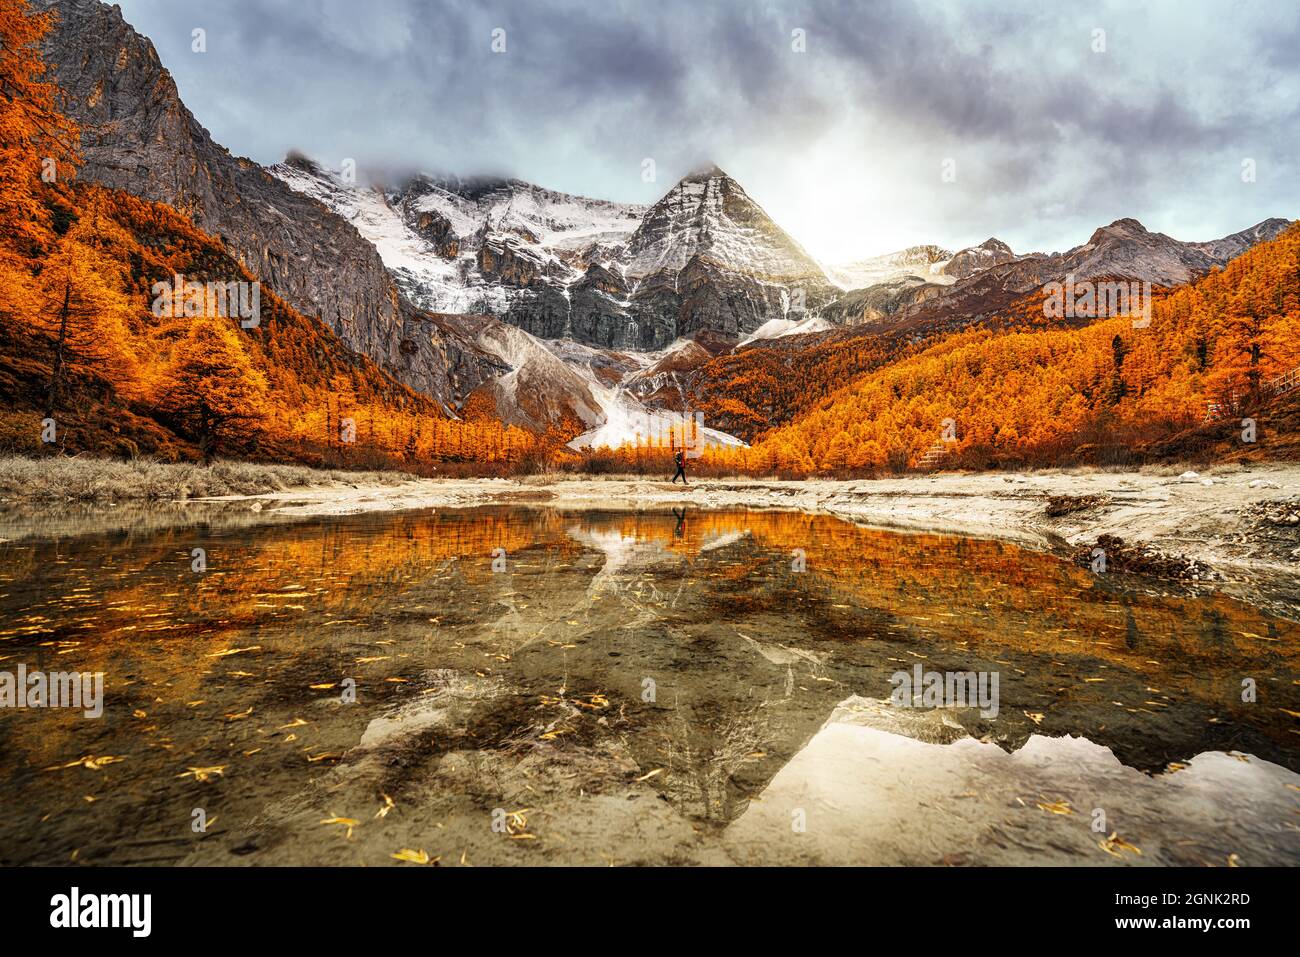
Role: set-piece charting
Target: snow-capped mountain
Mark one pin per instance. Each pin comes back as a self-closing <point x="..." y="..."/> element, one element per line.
<point x="1122" y="250"/>
<point x="930" y="263"/>
<point x="973" y="259"/>
<point x="501" y="263"/>
<point x="705" y="258"/>
<point x="923" y="261"/>
<point x="473" y="245"/>
<point x="595" y="302"/>
<point x="559" y="307"/>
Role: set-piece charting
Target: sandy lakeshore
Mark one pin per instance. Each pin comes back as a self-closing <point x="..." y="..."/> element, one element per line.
<point x="1239" y="521"/>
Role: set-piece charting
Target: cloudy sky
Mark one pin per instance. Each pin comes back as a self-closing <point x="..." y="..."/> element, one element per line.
<point x="1049" y="119"/>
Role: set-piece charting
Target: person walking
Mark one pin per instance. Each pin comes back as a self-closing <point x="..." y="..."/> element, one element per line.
<point x="680" y="458"/>
<point x="681" y="522"/>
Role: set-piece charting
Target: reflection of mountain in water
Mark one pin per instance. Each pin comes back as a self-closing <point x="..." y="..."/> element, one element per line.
<point x="879" y="786"/>
<point x="525" y="684"/>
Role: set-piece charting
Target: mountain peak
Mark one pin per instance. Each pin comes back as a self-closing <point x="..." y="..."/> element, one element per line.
<point x="1126" y="228"/>
<point x="300" y="160"/>
<point x="709" y="171"/>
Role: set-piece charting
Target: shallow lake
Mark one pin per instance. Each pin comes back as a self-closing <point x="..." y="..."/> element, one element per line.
<point x="517" y="685"/>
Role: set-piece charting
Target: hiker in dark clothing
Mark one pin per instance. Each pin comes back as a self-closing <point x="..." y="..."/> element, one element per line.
<point x="681" y="522"/>
<point x="680" y="459"/>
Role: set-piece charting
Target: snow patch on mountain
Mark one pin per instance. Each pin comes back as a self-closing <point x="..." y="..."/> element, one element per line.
<point x="925" y="261"/>
<point x="442" y="238"/>
<point x="624" y="419"/>
<point x="779" y="328"/>
<point x="628" y="422"/>
<point x="708" y="214"/>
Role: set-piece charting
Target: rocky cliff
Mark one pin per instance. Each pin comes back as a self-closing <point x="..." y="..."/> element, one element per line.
<point x="707" y="258"/>
<point x="704" y="259"/>
<point x="137" y="135"/>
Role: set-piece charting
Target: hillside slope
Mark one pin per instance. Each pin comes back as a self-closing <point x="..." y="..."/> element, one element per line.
<point x="137" y="135"/>
<point x="982" y="396"/>
<point x="134" y="380"/>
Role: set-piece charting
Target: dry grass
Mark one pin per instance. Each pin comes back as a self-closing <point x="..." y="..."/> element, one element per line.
<point x="86" y="479"/>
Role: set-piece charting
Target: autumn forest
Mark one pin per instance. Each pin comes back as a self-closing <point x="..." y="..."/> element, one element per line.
<point x="87" y="364"/>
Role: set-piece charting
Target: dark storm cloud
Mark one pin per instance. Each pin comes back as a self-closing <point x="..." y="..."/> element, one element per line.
<point x="843" y="143"/>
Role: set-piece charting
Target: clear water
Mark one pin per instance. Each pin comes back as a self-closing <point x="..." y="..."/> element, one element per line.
<point x="630" y="688"/>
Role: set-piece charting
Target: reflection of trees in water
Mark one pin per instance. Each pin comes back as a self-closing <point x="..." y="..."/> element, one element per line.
<point x="1214" y="630"/>
<point x="703" y="754"/>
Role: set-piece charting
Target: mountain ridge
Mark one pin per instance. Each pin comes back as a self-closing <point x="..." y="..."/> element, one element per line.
<point x="127" y="103"/>
<point x="703" y="258"/>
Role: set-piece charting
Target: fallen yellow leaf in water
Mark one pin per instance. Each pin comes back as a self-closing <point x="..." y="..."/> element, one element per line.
<point x="295" y="723"/>
<point x="649" y="774"/>
<point x="203" y="774"/>
<point x="388" y="806"/>
<point x="347" y="822"/>
<point x="1056" y="807"/>
<point x="234" y="651"/>
<point x="235" y="716"/>
<point x="1034" y="716"/>
<point x="89" y="761"/>
<point x="1114" y="844"/>
<point x="324" y="687"/>
<point x="415" y="857"/>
